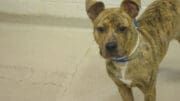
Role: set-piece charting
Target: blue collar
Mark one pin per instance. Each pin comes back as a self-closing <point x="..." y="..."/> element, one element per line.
<point x="123" y="59"/>
<point x="126" y="59"/>
<point x="136" y="25"/>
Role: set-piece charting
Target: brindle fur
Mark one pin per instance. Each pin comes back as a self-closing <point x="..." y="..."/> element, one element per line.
<point x="158" y="26"/>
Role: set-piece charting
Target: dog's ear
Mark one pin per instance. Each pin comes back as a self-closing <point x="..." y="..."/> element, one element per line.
<point x="94" y="8"/>
<point x="131" y="7"/>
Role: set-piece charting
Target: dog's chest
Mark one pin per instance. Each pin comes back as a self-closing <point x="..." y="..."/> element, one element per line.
<point x="122" y="71"/>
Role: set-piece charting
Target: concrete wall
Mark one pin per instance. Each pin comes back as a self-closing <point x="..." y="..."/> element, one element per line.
<point x="63" y="8"/>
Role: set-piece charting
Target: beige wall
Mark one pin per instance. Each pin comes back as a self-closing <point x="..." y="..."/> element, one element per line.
<point x="65" y="8"/>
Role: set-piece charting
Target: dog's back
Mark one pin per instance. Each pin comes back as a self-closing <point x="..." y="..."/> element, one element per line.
<point x="160" y="24"/>
<point x="162" y="14"/>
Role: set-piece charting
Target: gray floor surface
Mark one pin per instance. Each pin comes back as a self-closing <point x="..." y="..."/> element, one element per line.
<point x="53" y="63"/>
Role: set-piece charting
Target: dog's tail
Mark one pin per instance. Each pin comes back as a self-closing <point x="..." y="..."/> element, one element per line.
<point x="177" y="34"/>
<point x="177" y="37"/>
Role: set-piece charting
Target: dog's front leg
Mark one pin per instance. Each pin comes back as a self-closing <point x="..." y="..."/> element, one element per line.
<point x="149" y="89"/>
<point x="150" y="94"/>
<point x="125" y="92"/>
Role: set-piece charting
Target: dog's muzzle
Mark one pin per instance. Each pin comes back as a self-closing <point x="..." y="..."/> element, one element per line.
<point x="132" y="55"/>
<point x="111" y="46"/>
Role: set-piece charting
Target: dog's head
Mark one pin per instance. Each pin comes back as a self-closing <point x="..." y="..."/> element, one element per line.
<point x="114" y="30"/>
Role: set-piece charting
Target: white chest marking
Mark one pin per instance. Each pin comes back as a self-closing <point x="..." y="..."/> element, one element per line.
<point x="123" y="69"/>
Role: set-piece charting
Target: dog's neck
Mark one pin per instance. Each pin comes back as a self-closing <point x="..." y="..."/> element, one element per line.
<point x="137" y="44"/>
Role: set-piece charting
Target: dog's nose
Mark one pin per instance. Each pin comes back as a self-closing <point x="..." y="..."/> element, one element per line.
<point x="111" y="46"/>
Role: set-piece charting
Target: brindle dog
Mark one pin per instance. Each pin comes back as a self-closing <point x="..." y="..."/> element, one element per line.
<point x="133" y="49"/>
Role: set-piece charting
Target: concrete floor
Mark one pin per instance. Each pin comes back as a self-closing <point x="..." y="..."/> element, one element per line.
<point x="45" y="63"/>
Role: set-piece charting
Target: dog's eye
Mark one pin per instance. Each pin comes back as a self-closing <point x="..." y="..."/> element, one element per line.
<point x="101" y="29"/>
<point x="121" y="29"/>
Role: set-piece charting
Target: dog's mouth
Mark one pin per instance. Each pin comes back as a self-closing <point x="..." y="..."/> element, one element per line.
<point x="113" y="55"/>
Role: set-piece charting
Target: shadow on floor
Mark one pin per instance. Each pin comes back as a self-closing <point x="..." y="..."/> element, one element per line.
<point x="169" y="74"/>
<point x="46" y="20"/>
